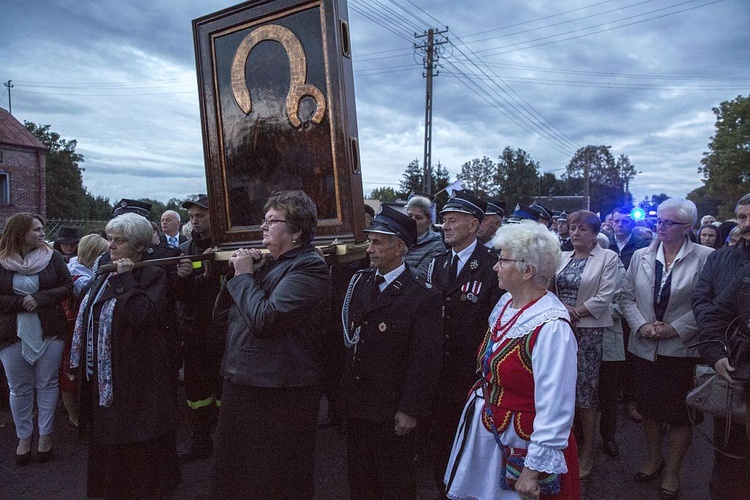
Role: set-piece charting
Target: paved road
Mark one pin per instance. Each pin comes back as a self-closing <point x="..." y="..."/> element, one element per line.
<point x="64" y="476"/>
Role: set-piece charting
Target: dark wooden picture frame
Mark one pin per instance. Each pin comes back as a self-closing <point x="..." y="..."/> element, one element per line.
<point x="277" y="112"/>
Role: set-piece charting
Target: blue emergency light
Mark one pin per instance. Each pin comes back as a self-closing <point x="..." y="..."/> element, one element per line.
<point x="637" y="214"/>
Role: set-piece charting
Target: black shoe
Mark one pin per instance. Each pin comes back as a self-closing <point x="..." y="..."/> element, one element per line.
<point x="197" y="450"/>
<point x="665" y="494"/>
<point x="43" y="456"/>
<point x="23" y="459"/>
<point x="642" y="477"/>
<point x="611" y="448"/>
<point x="328" y="423"/>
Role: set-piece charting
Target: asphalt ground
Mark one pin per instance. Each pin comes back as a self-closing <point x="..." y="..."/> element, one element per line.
<point x="64" y="476"/>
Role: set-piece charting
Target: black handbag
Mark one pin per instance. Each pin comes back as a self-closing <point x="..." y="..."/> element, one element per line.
<point x="738" y="350"/>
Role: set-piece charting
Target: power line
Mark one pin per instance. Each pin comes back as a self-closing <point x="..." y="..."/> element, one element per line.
<point x="499" y="50"/>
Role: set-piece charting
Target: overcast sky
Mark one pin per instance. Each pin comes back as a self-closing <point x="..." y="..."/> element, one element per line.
<point x="545" y="76"/>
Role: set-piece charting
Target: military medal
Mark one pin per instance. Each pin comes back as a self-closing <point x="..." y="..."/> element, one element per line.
<point x="470" y="291"/>
<point x="382" y="327"/>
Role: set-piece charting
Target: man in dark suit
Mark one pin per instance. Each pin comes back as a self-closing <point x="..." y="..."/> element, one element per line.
<point x="469" y="287"/>
<point x="394" y="338"/>
<point x="170" y="227"/>
<point x="613" y="375"/>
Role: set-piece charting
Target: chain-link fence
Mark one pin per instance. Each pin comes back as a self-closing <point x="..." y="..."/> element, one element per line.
<point x="84" y="227"/>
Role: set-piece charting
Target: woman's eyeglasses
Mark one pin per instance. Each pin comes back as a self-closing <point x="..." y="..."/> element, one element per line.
<point x="669" y="223"/>
<point x="270" y="222"/>
<point x="502" y="261"/>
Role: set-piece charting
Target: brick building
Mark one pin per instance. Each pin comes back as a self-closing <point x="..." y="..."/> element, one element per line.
<point x="22" y="169"/>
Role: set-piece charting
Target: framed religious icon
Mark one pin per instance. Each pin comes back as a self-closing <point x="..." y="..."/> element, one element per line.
<point x="277" y="112"/>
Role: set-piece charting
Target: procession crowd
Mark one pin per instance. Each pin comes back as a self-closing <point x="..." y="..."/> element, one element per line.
<point x="502" y="342"/>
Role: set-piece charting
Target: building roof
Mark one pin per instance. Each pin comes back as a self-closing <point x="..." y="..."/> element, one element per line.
<point x="13" y="133"/>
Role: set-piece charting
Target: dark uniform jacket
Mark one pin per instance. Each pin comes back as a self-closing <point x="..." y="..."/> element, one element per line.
<point x="721" y="268"/>
<point x="55" y="285"/>
<point x="396" y="364"/>
<point x="275" y="321"/>
<point x="144" y="404"/>
<point x="196" y="295"/>
<point x="466" y="308"/>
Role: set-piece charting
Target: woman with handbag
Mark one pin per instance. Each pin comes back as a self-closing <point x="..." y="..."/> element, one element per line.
<point x="656" y="302"/>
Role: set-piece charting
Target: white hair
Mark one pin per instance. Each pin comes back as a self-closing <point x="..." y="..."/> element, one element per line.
<point x="534" y="245"/>
<point x="705" y="218"/>
<point x="421" y="202"/>
<point x="172" y="213"/>
<point x="686" y="210"/>
<point x="134" y="228"/>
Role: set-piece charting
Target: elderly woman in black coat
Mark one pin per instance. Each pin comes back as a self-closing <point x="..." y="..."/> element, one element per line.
<point x="127" y="388"/>
<point x="275" y="308"/>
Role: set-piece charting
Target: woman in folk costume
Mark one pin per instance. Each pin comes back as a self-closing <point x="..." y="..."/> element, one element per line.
<point x="514" y="438"/>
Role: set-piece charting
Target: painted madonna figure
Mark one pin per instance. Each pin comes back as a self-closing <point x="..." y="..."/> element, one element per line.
<point x="514" y="438"/>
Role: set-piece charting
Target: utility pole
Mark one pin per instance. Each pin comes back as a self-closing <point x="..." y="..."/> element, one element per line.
<point x="430" y="62"/>
<point x="10" y="102"/>
<point x="586" y="183"/>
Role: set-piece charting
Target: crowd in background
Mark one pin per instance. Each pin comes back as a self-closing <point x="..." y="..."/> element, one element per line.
<point x="547" y="320"/>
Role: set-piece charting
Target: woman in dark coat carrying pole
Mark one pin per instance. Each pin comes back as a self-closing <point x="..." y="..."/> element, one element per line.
<point x="275" y="310"/>
<point x="127" y="388"/>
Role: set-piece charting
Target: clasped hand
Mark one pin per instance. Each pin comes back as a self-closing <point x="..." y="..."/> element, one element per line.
<point x="246" y="260"/>
<point x="29" y="303"/>
<point x="657" y="330"/>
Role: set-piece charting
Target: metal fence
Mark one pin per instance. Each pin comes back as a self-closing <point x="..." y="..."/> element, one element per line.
<point x="52" y="226"/>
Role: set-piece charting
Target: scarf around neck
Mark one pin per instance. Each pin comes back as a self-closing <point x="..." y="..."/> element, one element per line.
<point x="32" y="263"/>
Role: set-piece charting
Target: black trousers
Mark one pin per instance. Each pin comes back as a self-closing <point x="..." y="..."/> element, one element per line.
<point x="730" y="476"/>
<point x="265" y="442"/>
<point x="202" y="362"/>
<point x="381" y="464"/>
<point x="611" y="378"/>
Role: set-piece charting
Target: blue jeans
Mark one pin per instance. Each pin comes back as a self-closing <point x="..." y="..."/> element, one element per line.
<point x="23" y="378"/>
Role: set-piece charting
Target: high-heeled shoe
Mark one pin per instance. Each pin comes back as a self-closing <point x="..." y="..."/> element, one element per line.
<point x="44" y="456"/>
<point x="642" y="477"/>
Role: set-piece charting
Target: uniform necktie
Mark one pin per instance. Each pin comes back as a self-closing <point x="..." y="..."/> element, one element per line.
<point x="453" y="269"/>
<point x="378" y="280"/>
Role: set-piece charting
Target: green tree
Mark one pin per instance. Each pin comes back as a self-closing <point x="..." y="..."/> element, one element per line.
<point x="627" y="174"/>
<point x="384" y="194"/>
<point x="98" y="207"/>
<point x="478" y="175"/>
<point x="705" y="203"/>
<point x="412" y="179"/>
<point x="440" y="178"/>
<point x="606" y="183"/>
<point x="67" y="197"/>
<point x="650" y="204"/>
<point x="726" y="167"/>
<point x="517" y="177"/>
